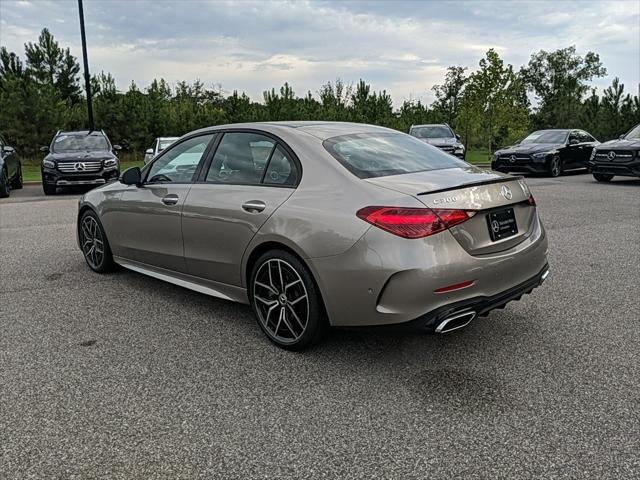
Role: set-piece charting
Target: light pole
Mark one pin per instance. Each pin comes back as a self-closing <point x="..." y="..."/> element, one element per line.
<point x="87" y="78"/>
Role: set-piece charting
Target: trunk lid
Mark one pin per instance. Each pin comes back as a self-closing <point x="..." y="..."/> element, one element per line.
<point x="474" y="189"/>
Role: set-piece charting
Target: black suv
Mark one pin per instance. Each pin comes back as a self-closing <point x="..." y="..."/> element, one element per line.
<point x="79" y="158"/>
<point x="617" y="157"/>
<point x="10" y="169"/>
<point x="547" y="151"/>
<point x="441" y="136"/>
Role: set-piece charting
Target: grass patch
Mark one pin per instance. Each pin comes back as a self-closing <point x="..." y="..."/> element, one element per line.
<point x="478" y="156"/>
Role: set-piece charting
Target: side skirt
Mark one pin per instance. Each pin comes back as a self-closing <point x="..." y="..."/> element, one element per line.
<point x="202" y="285"/>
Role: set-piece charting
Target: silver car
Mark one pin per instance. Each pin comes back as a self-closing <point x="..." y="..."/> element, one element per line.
<point x="159" y="144"/>
<point x="321" y="223"/>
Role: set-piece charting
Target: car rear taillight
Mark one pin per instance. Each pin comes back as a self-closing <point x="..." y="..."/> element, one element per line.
<point x="413" y="222"/>
<point x="531" y="200"/>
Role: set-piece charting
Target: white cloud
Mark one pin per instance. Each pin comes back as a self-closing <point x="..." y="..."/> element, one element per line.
<point x="403" y="47"/>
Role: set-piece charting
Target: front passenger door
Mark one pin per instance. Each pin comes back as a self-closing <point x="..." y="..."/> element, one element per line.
<point x="148" y="225"/>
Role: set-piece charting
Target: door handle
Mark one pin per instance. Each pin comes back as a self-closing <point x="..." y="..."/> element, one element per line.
<point x="254" y="206"/>
<point x="170" y="199"/>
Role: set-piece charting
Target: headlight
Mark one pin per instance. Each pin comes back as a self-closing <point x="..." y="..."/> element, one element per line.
<point x="459" y="149"/>
<point x="540" y="155"/>
<point x="48" y="164"/>
<point x="593" y="154"/>
<point x="112" y="162"/>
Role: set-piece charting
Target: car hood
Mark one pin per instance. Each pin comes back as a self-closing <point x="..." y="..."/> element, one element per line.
<point x="433" y="180"/>
<point x="620" y="144"/>
<point x="80" y="156"/>
<point x="529" y="148"/>
<point x="440" y="142"/>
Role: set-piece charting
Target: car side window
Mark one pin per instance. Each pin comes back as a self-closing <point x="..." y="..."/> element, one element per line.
<point x="240" y="159"/>
<point x="574" y="137"/>
<point x="179" y="163"/>
<point x="281" y="170"/>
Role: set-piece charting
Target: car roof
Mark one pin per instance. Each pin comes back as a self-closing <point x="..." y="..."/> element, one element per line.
<point x="81" y="132"/>
<point x="319" y="129"/>
<point x="431" y="125"/>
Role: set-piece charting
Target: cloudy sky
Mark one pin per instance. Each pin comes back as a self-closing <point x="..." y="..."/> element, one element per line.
<point x="403" y="47"/>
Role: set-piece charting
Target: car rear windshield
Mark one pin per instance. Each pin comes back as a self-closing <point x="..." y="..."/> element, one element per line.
<point x="547" y="136"/>
<point x="368" y="155"/>
<point x="79" y="143"/>
<point x="432" y="131"/>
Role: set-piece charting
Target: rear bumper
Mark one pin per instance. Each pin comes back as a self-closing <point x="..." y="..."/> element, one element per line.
<point x="384" y="279"/>
<point x="627" y="169"/>
<point x="481" y="305"/>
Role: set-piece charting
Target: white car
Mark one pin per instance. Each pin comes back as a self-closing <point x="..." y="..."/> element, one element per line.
<point x="159" y="144"/>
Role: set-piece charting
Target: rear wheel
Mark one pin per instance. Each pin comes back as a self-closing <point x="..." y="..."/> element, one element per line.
<point x="94" y="244"/>
<point x="48" y="188"/>
<point x="555" y="166"/>
<point x="17" y="182"/>
<point x="602" y="177"/>
<point x="286" y="301"/>
<point x="5" y="188"/>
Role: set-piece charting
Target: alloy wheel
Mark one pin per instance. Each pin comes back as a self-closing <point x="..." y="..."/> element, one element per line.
<point x="281" y="300"/>
<point x="92" y="242"/>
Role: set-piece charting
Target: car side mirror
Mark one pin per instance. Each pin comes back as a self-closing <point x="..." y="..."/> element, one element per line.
<point x="131" y="176"/>
<point x="574" y="141"/>
<point x="458" y="137"/>
<point x="7" y="149"/>
<point x="117" y="147"/>
<point x="621" y="137"/>
<point x="149" y="151"/>
<point x="44" y="149"/>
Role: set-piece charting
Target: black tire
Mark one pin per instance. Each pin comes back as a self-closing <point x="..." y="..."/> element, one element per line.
<point x="17" y="181"/>
<point x="555" y="166"/>
<point x="5" y="188"/>
<point x="289" y="329"/>
<point x="602" y="177"/>
<point x="94" y="244"/>
<point x="48" y="188"/>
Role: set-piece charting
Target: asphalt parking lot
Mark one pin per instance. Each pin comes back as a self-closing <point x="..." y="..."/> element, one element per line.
<point x="124" y="376"/>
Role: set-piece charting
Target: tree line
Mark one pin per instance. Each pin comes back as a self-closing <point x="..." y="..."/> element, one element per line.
<point x="489" y="107"/>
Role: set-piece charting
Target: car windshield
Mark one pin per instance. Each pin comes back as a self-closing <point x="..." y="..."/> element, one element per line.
<point x="79" y="143"/>
<point x="547" y="136"/>
<point x="164" y="143"/>
<point x="634" y="134"/>
<point x="433" y="131"/>
<point x="381" y="154"/>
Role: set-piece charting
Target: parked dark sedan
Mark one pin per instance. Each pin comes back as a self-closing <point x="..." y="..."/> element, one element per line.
<point x="79" y="158"/>
<point x="10" y="169"/>
<point x="547" y="151"/>
<point x="617" y="157"/>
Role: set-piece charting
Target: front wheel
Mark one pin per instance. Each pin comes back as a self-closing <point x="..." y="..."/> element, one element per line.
<point x="48" y="189"/>
<point x="5" y="187"/>
<point x="94" y="244"/>
<point x="17" y="181"/>
<point x="602" y="177"/>
<point x="286" y="301"/>
<point x="555" y="166"/>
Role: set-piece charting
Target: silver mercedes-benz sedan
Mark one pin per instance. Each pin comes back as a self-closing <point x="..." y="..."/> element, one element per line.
<point x="321" y="223"/>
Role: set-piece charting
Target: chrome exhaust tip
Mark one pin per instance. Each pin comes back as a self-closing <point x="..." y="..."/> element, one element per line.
<point x="454" y="322"/>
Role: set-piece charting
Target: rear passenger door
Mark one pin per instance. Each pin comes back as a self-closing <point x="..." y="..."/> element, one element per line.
<point x="250" y="175"/>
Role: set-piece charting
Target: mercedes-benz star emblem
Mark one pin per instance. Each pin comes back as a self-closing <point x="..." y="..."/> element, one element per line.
<point x="512" y="158"/>
<point x="506" y="192"/>
<point x="495" y="226"/>
<point x="611" y="155"/>
<point x="79" y="166"/>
